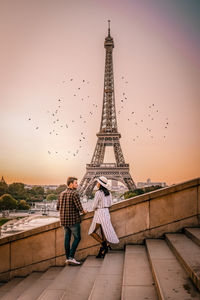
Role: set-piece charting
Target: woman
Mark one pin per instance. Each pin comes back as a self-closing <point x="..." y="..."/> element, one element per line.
<point x="101" y="219"/>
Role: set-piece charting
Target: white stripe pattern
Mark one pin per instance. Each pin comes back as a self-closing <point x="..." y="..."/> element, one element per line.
<point x="101" y="206"/>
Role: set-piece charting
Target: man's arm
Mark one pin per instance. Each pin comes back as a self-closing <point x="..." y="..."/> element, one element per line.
<point x="58" y="202"/>
<point x="77" y="202"/>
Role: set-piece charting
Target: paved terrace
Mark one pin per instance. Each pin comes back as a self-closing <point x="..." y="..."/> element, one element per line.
<point x="150" y="215"/>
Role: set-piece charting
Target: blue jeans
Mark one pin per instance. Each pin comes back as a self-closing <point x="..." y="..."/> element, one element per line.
<point x="76" y="231"/>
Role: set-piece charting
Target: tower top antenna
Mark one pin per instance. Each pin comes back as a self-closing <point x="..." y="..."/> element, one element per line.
<point x="108" y="27"/>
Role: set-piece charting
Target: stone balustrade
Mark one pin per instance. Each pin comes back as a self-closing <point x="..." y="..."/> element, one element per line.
<point x="146" y="216"/>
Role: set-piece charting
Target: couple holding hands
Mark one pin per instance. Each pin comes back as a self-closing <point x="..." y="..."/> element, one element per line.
<point x="70" y="207"/>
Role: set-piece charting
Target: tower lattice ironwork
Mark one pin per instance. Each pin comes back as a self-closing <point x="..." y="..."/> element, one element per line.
<point x="108" y="135"/>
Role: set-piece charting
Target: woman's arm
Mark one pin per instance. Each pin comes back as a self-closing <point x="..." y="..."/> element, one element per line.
<point x="110" y="202"/>
<point x="96" y="200"/>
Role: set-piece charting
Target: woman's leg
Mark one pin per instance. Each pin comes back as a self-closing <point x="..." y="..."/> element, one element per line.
<point x="106" y="244"/>
<point x="96" y="235"/>
<point x="102" y="234"/>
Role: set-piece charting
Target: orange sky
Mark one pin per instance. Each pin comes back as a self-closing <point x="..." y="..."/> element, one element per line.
<point x="45" y="44"/>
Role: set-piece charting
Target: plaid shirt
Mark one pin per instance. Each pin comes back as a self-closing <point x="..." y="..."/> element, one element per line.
<point x="69" y="205"/>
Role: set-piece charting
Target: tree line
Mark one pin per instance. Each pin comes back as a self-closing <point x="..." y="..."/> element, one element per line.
<point x="137" y="192"/>
<point x="16" y="196"/>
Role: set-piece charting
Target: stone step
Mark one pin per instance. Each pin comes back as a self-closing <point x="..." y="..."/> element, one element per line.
<point x="7" y="287"/>
<point x="137" y="282"/>
<point x="171" y="279"/>
<point x="82" y="285"/>
<point x="56" y="290"/>
<point x="36" y="289"/>
<point x="194" y="234"/>
<point x="188" y="254"/>
<point x="108" y="283"/>
<point x="22" y="286"/>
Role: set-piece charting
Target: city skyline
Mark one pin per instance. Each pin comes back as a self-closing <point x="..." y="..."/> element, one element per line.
<point x="52" y="72"/>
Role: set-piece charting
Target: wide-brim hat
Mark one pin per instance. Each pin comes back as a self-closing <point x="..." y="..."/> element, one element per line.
<point x="103" y="181"/>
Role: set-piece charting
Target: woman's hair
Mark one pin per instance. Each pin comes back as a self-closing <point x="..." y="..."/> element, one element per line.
<point x="105" y="190"/>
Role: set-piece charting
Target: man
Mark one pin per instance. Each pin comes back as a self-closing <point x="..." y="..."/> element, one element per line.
<point x="70" y="207"/>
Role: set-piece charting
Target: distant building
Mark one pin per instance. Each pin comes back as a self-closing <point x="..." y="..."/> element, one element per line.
<point x="46" y="187"/>
<point x="51" y="187"/>
<point x="2" y="180"/>
<point x="114" y="185"/>
<point x="149" y="183"/>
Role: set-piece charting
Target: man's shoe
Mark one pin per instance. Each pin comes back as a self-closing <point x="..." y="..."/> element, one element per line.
<point x="72" y="261"/>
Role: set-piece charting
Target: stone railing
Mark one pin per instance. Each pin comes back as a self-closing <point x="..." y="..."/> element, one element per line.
<point x="147" y="216"/>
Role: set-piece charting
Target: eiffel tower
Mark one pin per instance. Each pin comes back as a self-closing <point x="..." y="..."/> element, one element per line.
<point x="108" y="135"/>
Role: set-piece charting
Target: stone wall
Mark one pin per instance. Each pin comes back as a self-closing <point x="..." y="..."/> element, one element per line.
<point x="147" y="216"/>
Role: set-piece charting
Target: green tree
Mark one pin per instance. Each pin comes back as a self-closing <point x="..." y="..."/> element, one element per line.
<point x="36" y="193"/>
<point x="17" y="190"/>
<point x="139" y="191"/>
<point x="36" y="190"/>
<point x="60" y="188"/>
<point x="39" y="190"/>
<point x="51" y="197"/>
<point x="22" y="205"/>
<point x="136" y="192"/>
<point x="7" y="202"/>
<point x="152" y="188"/>
<point x="129" y="194"/>
<point x="49" y="191"/>
<point x="3" y="188"/>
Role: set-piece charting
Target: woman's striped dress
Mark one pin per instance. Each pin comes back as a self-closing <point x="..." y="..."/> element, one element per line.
<point x="101" y="206"/>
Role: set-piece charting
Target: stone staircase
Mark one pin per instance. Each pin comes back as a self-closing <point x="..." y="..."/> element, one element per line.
<point x="166" y="268"/>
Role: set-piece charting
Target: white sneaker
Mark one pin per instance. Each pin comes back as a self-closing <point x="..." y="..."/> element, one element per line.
<point x="72" y="261"/>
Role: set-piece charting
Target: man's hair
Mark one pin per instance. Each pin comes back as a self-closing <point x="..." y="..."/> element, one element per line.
<point x="70" y="180"/>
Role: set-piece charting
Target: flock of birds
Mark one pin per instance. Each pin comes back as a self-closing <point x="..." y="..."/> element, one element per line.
<point x="56" y="123"/>
<point x="151" y="117"/>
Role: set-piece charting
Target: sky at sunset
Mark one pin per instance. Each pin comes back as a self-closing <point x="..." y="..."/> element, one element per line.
<point x="51" y="93"/>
